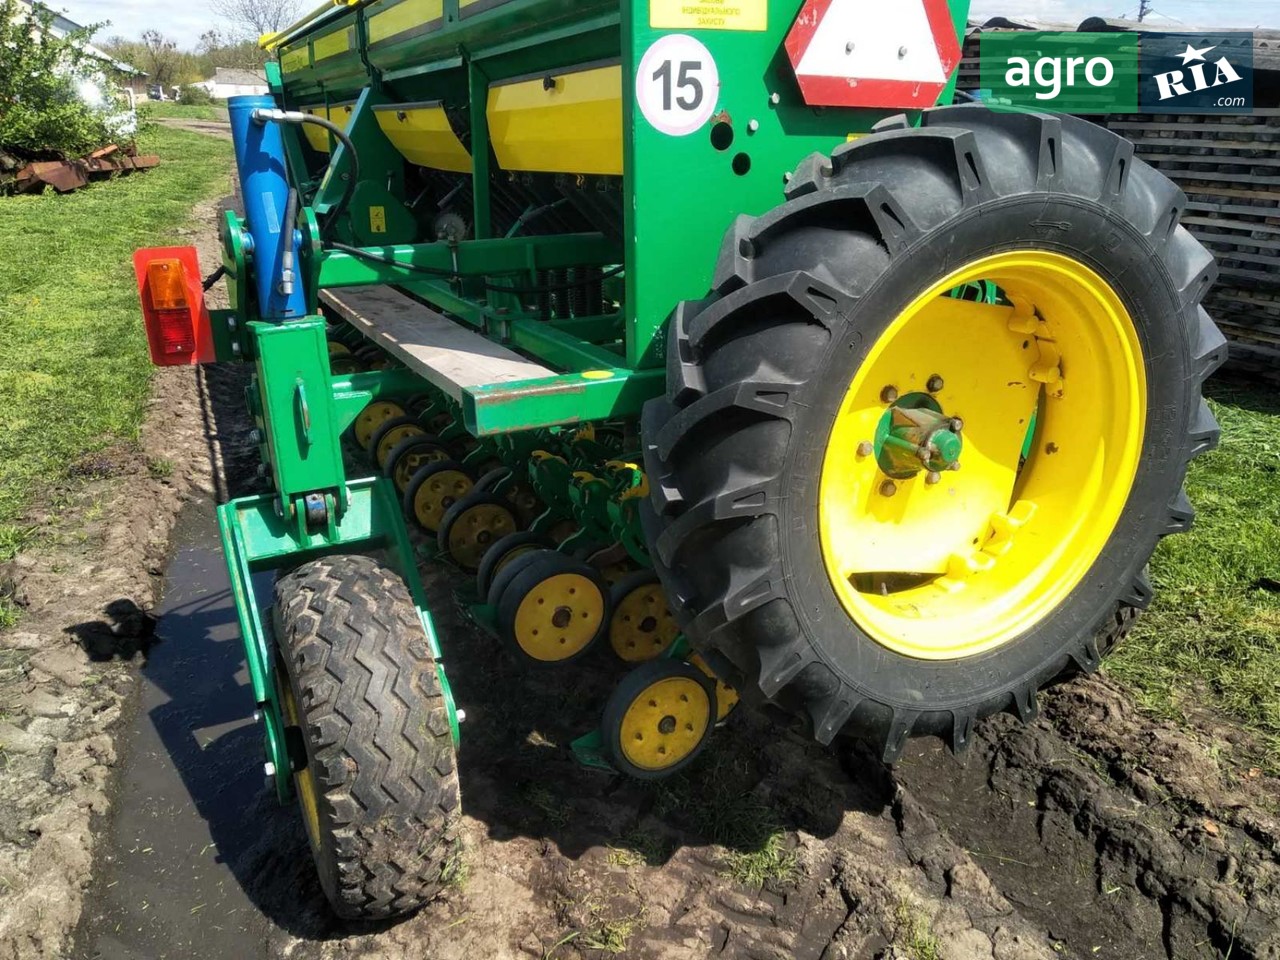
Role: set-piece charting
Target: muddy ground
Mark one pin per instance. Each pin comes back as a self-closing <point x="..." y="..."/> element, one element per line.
<point x="69" y="670"/>
<point x="1091" y="832"/>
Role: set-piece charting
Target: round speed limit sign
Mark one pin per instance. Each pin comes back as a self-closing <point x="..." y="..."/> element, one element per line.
<point x="677" y="85"/>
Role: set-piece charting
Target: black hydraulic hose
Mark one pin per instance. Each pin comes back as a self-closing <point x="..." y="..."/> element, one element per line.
<point x="213" y="278"/>
<point x="450" y="275"/>
<point x="349" y="187"/>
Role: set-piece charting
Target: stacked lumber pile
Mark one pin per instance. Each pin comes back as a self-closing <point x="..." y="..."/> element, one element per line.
<point x="1229" y="167"/>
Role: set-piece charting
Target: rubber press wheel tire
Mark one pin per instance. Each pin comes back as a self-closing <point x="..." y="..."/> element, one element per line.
<point x="659" y="718"/>
<point x="375" y="724"/>
<point x="745" y="517"/>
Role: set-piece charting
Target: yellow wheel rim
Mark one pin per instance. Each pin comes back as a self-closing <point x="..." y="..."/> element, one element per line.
<point x="642" y="627"/>
<point x="559" y="617"/>
<point x="475" y="530"/>
<point x="394" y="436"/>
<point x="372" y="417"/>
<point x="437" y="494"/>
<point x="511" y="555"/>
<point x="941" y="566"/>
<point x="726" y="696"/>
<point x="303" y="780"/>
<point x="337" y="349"/>
<point x="411" y="463"/>
<point x="665" y="723"/>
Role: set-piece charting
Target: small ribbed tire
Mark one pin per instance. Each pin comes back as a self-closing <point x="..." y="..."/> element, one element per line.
<point x="658" y="719"/>
<point x="769" y="556"/>
<point x="553" y="609"/>
<point x="474" y="524"/>
<point x="501" y="553"/>
<point x="385" y="824"/>
<point x="433" y="490"/>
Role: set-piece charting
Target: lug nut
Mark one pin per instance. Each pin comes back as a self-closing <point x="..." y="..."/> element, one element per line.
<point x="460" y="714"/>
<point x="933" y="477"/>
<point x="888" y="488"/>
<point x="865" y="449"/>
<point x="935" y="384"/>
<point x="889" y="394"/>
<point x="269" y="769"/>
<point x="956" y="424"/>
<point x="954" y="466"/>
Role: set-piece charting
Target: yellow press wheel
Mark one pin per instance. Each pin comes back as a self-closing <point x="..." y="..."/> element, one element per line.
<point x="371" y="418"/>
<point x="553" y="609"/>
<point x="726" y="696"/>
<point x="433" y="490"/>
<point x="389" y="435"/>
<point x="658" y="718"/>
<point x="474" y="524"/>
<point x="913" y="468"/>
<point x="409" y="456"/>
<point x="641" y="626"/>
<point x="501" y="553"/>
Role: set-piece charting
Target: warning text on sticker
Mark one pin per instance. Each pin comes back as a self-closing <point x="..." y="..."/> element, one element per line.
<point x="676" y="14"/>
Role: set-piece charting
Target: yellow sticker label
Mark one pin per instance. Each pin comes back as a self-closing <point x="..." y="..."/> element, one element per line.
<point x="377" y="219"/>
<point x="332" y="45"/>
<point x="687" y="15"/>
<point x="291" y="61"/>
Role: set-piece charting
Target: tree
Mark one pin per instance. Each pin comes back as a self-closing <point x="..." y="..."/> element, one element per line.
<point x="42" y="78"/>
<point x="161" y="60"/>
<point x="258" y="16"/>
<point x="157" y="56"/>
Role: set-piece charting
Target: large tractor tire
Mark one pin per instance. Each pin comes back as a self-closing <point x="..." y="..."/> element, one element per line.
<point x="891" y="510"/>
<point x="379" y="791"/>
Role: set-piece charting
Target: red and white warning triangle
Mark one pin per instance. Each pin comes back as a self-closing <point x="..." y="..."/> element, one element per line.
<point x="893" y="54"/>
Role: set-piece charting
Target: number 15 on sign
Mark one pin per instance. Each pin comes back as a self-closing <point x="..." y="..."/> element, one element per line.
<point x="677" y="85"/>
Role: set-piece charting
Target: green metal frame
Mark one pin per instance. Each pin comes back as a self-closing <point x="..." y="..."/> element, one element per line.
<point x="678" y="197"/>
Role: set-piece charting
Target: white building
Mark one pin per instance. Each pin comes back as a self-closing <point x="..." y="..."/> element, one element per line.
<point x="228" y="82"/>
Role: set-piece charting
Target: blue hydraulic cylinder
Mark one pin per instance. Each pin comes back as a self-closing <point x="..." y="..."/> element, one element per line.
<point x="264" y="185"/>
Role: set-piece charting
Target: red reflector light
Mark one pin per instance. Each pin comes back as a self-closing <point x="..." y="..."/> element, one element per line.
<point x="173" y="307"/>
<point x="177" y="333"/>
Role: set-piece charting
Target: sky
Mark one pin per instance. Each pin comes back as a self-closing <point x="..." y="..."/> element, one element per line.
<point x="185" y="20"/>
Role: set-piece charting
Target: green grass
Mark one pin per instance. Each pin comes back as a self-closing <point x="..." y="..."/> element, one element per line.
<point x="74" y="372"/>
<point x="913" y="935"/>
<point x="157" y="109"/>
<point x="718" y="798"/>
<point x="1212" y="635"/>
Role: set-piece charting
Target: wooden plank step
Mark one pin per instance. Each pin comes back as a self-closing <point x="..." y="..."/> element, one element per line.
<point x="446" y="354"/>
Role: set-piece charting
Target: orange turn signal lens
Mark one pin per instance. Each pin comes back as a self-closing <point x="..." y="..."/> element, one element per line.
<point x="167" y="284"/>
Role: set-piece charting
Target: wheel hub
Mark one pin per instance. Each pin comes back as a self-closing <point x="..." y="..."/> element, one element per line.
<point x="914" y="435"/>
